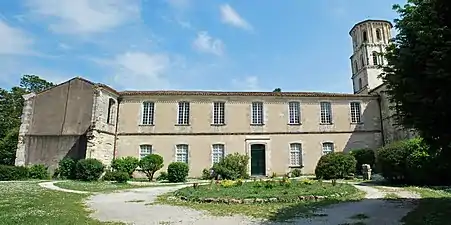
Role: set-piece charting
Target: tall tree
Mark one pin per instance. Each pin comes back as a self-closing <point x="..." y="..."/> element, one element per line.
<point x="11" y="104"/>
<point x="418" y="74"/>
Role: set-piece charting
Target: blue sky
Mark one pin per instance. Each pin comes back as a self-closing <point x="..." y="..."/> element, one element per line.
<point x="297" y="45"/>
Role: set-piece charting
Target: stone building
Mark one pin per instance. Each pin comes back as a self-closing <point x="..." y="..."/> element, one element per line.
<point x="278" y="130"/>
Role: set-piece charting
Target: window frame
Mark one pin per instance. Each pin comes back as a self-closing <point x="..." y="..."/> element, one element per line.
<point x="257" y="117"/>
<point x="355" y="113"/>
<point x="213" y="152"/>
<point x="378" y="34"/>
<point x="141" y="150"/>
<point x="150" y="113"/>
<point x="177" y="153"/>
<point x="218" y="112"/>
<point x="294" y="113"/>
<point x="323" y="144"/>
<point x="111" y="111"/>
<point x="300" y="152"/>
<point x="328" y="118"/>
<point x="183" y="113"/>
<point x="375" y="58"/>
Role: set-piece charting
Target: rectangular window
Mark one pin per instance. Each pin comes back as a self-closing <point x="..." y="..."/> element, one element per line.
<point x="257" y="113"/>
<point x="295" y="154"/>
<point x="148" y="113"/>
<point x="294" y="109"/>
<point x="145" y="150"/>
<point x="355" y="112"/>
<point x="183" y="113"/>
<point x="217" y="153"/>
<point x="218" y="113"/>
<point x="326" y="113"/>
<point x="328" y="147"/>
<point x="181" y="154"/>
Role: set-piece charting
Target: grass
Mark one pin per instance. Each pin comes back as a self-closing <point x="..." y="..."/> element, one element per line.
<point x="271" y="211"/>
<point x="391" y="196"/>
<point x="26" y="203"/>
<point x="433" y="208"/>
<point x="101" y="186"/>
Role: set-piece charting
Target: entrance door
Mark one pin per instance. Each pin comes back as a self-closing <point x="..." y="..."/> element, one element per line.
<point x="258" y="166"/>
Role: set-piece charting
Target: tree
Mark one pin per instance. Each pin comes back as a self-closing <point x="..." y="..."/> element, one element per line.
<point x="277" y="90"/>
<point x="126" y="164"/>
<point x="418" y="75"/>
<point x="151" y="164"/>
<point x="11" y="104"/>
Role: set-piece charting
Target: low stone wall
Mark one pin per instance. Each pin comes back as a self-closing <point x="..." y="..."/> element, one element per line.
<point x="300" y="198"/>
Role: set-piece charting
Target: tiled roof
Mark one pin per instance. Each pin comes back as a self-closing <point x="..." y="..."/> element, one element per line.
<point x="227" y="93"/>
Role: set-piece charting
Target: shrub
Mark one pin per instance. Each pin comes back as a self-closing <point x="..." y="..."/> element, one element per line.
<point x="108" y="176"/>
<point x="151" y="164"/>
<point x="89" y="169"/>
<point x="66" y="168"/>
<point x="232" y="167"/>
<point x="391" y="160"/>
<point x="363" y="156"/>
<point x="120" y="176"/>
<point x="13" y="173"/>
<point x="296" y="172"/>
<point x="38" y="171"/>
<point x="163" y="176"/>
<point x="206" y="175"/>
<point x="177" y="172"/>
<point x="335" y="165"/>
<point x="126" y="164"/>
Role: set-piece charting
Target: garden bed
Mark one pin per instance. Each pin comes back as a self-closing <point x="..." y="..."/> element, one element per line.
<point x="273" y="199"/>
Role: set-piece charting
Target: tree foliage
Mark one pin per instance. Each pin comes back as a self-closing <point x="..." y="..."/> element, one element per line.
<point x="277" y="90"/>
<point x="418" y="74"/>
<point x="11" y="104"/>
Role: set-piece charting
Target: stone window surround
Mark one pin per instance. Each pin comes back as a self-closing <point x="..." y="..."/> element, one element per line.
<point x="350" y="112"/>
<point x="299" y="109"/>
<point x="188" y="155"/>
<point x="330" y="112"/>
<point x="327" y="142"/>
<point x="220" y="111"/>
<point x="301" y="154"/>
<point x="211" y="151"/>
<point x="151" y="114"/>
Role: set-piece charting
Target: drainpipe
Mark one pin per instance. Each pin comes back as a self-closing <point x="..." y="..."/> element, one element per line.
<point x="116" y="124"/>
<point x="379" y="101"/>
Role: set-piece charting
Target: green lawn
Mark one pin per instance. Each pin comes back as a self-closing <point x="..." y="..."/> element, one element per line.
<point x="26" y="203"/>
<point x="272" y="211"/>
<point x="433" y="209"/>
<point x="102" y="186"/>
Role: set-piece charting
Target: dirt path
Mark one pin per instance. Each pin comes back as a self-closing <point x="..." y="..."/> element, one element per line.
<point x="130" y="207"/>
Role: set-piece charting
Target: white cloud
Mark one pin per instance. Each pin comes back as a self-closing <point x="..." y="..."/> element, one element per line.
<point x="249" y="83"/>
<point x="138" y="70"/>
<point x="14" y="41"/>
<point x="205" y="43"/>
<point x="231" y="17"/>
<point x="85" y="16"/>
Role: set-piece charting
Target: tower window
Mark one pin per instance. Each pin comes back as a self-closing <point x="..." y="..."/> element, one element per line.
<point x="356" y="66"/>
<point x="111" y="111"/>
<point x="360" y="84"/>
<point x="365" y="36"/>
<point x="375" y="58"/>
<point x="378" y="34"/>
<point x="363" y="61"/>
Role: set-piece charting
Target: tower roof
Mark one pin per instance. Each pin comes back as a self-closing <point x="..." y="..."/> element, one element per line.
<point x="370" y="20"/>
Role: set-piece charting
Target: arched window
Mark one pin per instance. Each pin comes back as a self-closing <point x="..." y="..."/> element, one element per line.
<point x="362" y="60"/>
<point x="295" y="154"/>
<point x="365" y="36"/>
<point x="378" y="34"/>
<point x="375" y="58"/>
<point x="360" y="83"/>
<point x="356" y="66"/>
<point x="111" y="111"/>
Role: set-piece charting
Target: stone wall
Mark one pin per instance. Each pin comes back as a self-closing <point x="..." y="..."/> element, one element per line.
<point x="27" y="116"/>
<point x="101" y="138"/>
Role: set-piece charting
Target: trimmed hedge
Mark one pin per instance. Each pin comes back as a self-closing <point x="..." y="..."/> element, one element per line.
<point x="13" y="173"/>
<point x="66" y="168"/>
<point x="89" y="169"/>
<point x="177" y="172"/>
<point x="335" y="165"/>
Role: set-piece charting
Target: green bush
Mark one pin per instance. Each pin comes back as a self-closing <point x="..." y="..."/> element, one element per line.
<point x="206" y="175"/>
<point x="13" y="173"/>
<point x="151" y="164"/>
<point x="296" y="172"/>
<point x="232" y="167"/>
<point x="121" y="177"/>
<point x="391" y="160"/>
<point x="177" y="172"/>
<point x="108" y="176"/>
<point x="163" y="176"/>
<point x="336" y="165"/>
<point x="363" y="156"/>
<point x="66" y="168"/>
<point x="126" y="164"/>
<point x="89" y="169"/>
<point x="39" y="171"/>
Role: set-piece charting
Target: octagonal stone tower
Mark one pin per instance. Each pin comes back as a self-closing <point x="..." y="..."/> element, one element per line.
<point x="369" y="40"/>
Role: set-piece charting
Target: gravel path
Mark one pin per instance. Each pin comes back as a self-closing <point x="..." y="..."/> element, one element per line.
<point x="130" y="207"/>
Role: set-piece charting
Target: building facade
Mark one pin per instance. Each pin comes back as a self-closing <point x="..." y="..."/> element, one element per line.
<point x="278" y="130"/>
